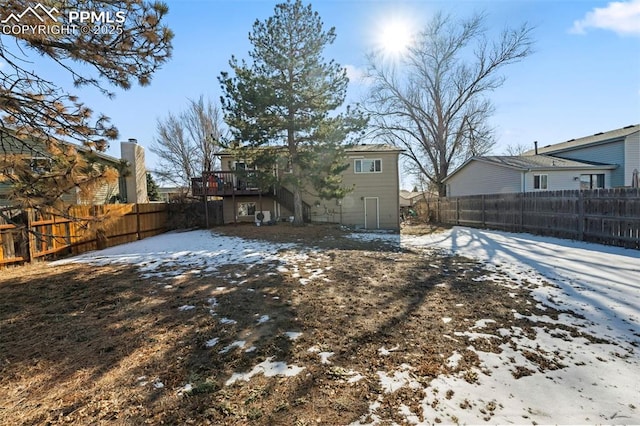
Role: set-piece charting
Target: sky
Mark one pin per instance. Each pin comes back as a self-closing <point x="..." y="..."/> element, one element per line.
<point x="583" y="78"/>
<point x="595" y="288"/>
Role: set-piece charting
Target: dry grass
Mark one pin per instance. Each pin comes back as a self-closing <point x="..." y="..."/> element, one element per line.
<point x="100" y="345"/>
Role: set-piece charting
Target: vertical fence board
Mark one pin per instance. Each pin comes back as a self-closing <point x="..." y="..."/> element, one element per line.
<point x="96" y="226"/>
<point x="606" y="216"/>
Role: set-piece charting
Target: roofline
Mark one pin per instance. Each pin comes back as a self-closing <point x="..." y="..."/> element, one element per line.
<point x="531" y="169"/>
<point x="79" y="148"/>
<point x="573" y="144"/>
<point x="348" y="148"/>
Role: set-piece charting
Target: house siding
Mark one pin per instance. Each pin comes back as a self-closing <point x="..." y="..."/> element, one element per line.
<point x="631" y="156"/>
<point x="483" y="178"/>
<point x="384" y="186"/>
<point x="610" y="153"/>
<point x="560" y="180"/>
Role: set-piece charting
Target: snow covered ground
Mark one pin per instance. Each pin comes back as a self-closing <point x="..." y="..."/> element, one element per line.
<point x="597" y="382"/>
<point x="601" y="382"/>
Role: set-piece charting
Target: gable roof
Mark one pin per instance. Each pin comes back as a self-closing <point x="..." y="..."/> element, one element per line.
<point x="535" y="162"/>
<point x="11" y="144"/>
<point x="596" y="139"/>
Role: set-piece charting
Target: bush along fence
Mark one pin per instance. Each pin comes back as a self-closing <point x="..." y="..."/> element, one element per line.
<point x="606" y="216"/>
<point x="33" y="235"/>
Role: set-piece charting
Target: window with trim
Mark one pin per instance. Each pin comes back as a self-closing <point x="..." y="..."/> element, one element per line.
<point x="368" y="166"/>
<point x="540" y="181"/>
<point x="246" y="209"/>
<point x="592" y="181"/>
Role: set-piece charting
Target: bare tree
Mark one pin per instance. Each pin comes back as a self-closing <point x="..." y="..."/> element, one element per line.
<point x="433" y="103"/>
<point x="189" y="143"/>
<point x="514" y="150"/>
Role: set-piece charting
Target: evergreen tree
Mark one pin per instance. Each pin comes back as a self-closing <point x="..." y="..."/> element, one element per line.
<point x="285" y="97"/>
<point x="152" y="188"/>
<point x="38" y="117"/>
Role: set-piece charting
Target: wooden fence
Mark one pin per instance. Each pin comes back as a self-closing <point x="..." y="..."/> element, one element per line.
<point x="33" y="235"/>
<point x="606" y="216"/>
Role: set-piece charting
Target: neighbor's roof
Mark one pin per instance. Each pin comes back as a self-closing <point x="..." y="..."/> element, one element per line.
<point x="535" y="162"/>
<point x="12" y="144"/>
<point x="598" y="138"/>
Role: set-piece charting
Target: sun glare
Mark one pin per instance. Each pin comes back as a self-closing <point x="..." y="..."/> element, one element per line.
<point x="395" y="37"/>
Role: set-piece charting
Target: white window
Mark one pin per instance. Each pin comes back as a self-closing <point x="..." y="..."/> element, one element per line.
<point x="368" y="166"/>
<point x="540" y="181"/>
<point x="246" y="209"/>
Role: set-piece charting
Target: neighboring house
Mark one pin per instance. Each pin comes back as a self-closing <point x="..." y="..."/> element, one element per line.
<point x="169" y="194"/>
<point x="130" y="188"/>
<point x="409" y="199"/>
<point x="620" y="147"/>
<point x="603" y="160"/>
<point x="373" y="203"/>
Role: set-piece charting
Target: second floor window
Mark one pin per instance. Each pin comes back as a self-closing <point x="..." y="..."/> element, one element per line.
<point x="368" y="166"/>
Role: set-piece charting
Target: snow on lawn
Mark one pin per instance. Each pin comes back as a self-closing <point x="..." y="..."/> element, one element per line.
<point x="597" y="383"/>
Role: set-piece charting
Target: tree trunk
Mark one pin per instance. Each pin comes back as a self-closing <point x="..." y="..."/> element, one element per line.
<point x="298" y="217"/>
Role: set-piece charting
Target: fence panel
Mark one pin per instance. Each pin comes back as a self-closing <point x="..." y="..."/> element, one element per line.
<point x="35" y="234"/>
<point x="606" y="216"/>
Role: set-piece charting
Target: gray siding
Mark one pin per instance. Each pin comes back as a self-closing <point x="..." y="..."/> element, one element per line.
<point x="631" y="156"/>
<point x="560" y="180"/>
<point x="611" y="153"/>
<point x="478" y="177"/>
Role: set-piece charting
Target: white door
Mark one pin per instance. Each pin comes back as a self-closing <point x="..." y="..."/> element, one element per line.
<point x="371" y="213"/>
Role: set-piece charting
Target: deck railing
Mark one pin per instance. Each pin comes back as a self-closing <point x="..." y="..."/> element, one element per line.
<point x="225" y="183"/>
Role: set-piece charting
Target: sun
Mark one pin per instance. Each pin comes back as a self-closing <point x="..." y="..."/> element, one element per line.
<point x="395" y="36"/>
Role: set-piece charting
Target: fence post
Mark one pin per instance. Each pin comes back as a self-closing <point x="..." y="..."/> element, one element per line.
<point x="31" y="238"/>
<point x="483" y="215"/>
<point x="138" y="233"/>
<point x="521" y="212"/>
<point x="580" y="216"/>
<point x="457" y="210"/>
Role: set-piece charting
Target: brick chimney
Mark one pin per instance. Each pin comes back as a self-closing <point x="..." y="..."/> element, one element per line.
<point x="135" y="184"/>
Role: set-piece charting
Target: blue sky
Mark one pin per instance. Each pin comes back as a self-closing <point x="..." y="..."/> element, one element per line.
<point x="583" y="78"/>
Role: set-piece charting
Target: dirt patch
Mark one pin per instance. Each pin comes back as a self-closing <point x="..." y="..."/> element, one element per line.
<point x="87" y="344"/>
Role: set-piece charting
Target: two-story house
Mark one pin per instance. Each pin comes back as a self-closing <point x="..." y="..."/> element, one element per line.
<point x="603" y="160"/>
<point x="131" y="186"/>
<point x="373" y="203"/>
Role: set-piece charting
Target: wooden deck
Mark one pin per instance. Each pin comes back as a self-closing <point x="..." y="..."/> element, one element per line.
<point x="225" y="184"/>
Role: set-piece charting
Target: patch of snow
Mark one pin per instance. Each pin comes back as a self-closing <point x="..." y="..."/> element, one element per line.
<point x="185" y="389"/>
<point x="269" y="369"/>
<point x="398" y="379"/>
<point x="186" y="308"/>
<point x="212" y="342"/>
<point x="263" y="319"/>
<point x="293" y="335"/>
<point x="237" y="344"/>
<point x="324" y="357"/>
<point x="384" y="352"/>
